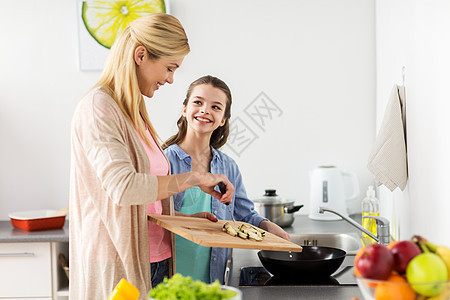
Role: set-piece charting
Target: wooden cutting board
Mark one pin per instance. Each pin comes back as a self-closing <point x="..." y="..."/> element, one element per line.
<point x="206" y="233"/>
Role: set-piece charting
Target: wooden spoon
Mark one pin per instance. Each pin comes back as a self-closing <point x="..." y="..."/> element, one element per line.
<point x="61" y="212"/>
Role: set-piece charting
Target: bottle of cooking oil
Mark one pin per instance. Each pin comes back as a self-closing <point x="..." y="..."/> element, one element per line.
<point x="370" y="207"/>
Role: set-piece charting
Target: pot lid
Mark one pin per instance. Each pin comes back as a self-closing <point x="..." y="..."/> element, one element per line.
<point x="271" y="197"/>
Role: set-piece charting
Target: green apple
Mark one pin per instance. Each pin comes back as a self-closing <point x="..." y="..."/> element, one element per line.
<point x="427" y="274"/>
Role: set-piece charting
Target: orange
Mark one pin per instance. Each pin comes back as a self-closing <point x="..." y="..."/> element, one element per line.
<point x="395" y="288"/>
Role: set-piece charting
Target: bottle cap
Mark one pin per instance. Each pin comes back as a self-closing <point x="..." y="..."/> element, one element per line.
<point x="370" y="192"/>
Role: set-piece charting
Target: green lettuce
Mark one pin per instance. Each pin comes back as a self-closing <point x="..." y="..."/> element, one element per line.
<point x="185" y="288"/>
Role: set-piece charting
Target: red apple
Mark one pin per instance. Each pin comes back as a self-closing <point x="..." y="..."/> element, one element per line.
<point x="376" y="262"/>
<point x="403" y="252"/>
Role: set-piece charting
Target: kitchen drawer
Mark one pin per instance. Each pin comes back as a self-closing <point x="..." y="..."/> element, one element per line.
<point x="25" y="270"/>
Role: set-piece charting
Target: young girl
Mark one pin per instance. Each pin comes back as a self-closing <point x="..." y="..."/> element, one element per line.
<point x="203" y="129"/>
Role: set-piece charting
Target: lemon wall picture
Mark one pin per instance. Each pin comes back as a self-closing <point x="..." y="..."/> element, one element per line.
<point x="100" y="22"/>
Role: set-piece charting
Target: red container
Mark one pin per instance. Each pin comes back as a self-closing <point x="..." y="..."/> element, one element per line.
<point x="37" y="220"/>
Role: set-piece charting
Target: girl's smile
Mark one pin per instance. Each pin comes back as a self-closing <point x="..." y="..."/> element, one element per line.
<point x="203" y="119"/>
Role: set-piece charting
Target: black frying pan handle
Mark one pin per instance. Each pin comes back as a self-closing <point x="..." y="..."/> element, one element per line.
<point x="293" y="209"/>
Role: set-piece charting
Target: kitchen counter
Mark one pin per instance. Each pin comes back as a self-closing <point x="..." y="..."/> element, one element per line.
<point x="241" y="258"/>
<point x="302" y="225"/>
<point x="10" y="234"/>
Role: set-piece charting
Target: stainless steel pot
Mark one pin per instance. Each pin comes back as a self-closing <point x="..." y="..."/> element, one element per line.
<point x="276" y="209"/>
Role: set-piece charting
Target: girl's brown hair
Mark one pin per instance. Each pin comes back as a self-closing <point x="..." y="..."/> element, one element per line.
<point x="220" y="135"/>
<point x="162" y="35"/>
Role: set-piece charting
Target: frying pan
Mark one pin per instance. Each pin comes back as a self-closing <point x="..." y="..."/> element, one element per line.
<point x="313" y="261"/>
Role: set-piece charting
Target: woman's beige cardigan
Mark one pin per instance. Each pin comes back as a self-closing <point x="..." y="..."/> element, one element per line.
<point x="109" y="189"/>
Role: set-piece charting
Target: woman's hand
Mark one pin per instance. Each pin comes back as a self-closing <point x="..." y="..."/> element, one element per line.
<point x="275" y="229"/>
<point x="209" y="181"/>
<point x="173" y="184"/>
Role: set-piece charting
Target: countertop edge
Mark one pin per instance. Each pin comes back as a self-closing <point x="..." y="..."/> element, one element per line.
<point x="9" y="234"/>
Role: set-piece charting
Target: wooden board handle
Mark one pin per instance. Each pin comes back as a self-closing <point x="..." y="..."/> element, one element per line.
<point x="61" y="212"/>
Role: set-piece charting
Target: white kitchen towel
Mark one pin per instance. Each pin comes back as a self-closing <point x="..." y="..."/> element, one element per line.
<point x="388" y="160"/>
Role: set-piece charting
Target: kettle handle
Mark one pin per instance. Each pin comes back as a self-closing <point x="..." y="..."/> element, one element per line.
<point x="355" y="183"/>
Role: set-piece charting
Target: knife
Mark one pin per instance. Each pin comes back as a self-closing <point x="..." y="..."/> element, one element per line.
<point x="223" y="189"/>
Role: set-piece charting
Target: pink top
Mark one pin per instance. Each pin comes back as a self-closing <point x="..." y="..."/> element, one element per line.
<point x="160" y="247"/>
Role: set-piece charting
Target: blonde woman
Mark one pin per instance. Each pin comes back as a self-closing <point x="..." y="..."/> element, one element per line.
<point x="118" y="170"/>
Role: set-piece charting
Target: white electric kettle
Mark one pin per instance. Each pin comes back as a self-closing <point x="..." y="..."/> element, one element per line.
<point x="329" y="188"/>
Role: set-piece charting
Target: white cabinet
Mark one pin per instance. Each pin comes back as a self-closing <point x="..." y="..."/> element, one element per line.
<point x="25" y="270"/>
<point x="32" y="271"/>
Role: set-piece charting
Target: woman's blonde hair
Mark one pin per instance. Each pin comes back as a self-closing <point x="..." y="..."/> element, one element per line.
<point x="220" y="135"/>
<point x="163" y="36"/>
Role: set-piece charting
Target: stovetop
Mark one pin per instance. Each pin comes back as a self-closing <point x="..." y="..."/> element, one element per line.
<point x="259" y="276"/>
